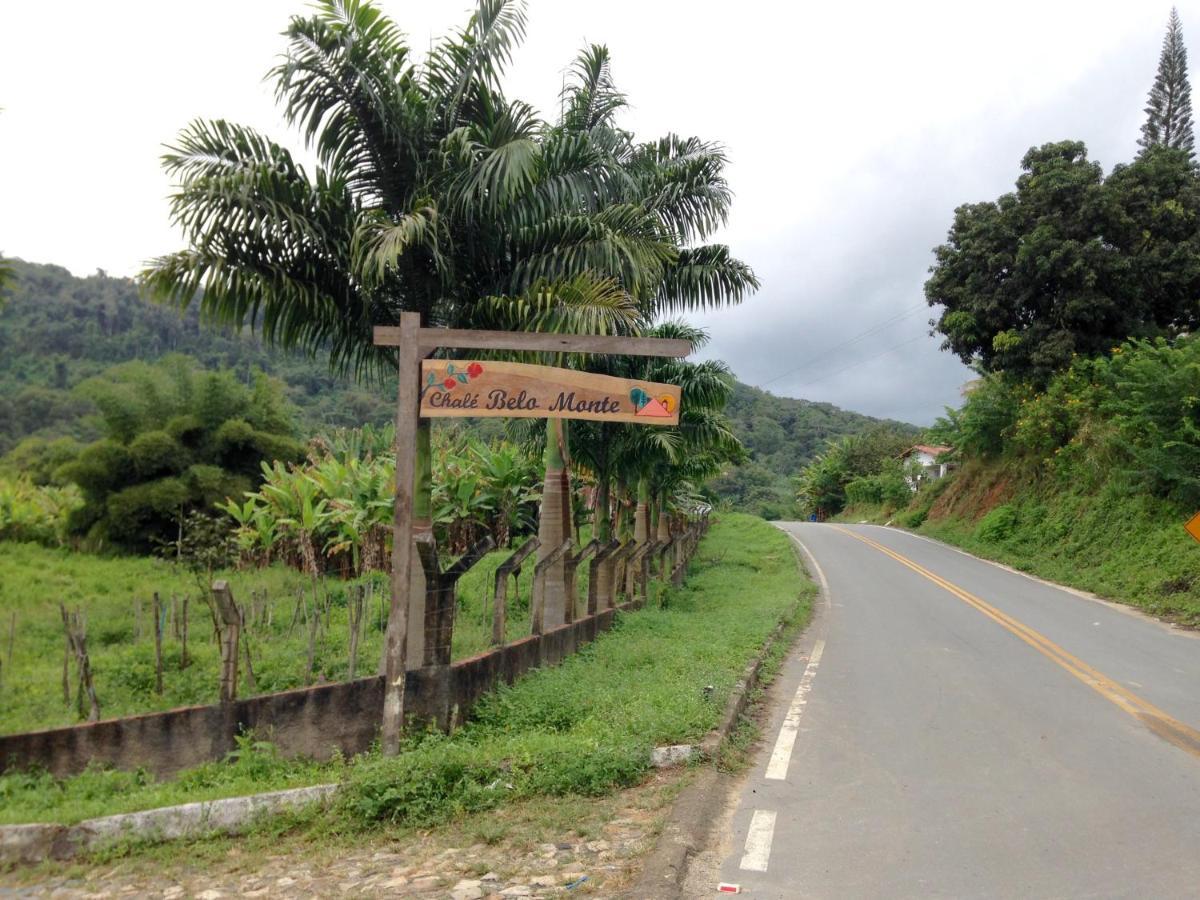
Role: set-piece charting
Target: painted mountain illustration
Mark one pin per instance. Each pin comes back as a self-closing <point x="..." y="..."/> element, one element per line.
<point x="648" y="406"/>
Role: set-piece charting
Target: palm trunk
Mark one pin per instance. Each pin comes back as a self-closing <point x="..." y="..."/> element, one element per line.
<point x="602" y="531"/>
<point x="603" y="514"/>
<point x="554" y="523"/>
<point x="664" y="520"/>
<point x="641" y="519"/>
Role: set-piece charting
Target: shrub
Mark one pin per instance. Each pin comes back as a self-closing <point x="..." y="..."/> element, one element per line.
<point x="32" y="513"/>
<point x="178" y="440"/>
<point x="998" y="525"/>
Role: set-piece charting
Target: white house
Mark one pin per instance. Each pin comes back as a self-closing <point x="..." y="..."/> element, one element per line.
<point x="925" y="456"/>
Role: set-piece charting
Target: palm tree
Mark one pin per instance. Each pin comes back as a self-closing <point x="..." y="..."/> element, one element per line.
<point x="640" y="464"/>
<point x="433" y="194"/>
<point x="436" y="194"/>
<point x="676" y="189"/>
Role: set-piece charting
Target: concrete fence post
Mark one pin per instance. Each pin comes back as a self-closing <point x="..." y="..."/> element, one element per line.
<point x="541" y="571"/>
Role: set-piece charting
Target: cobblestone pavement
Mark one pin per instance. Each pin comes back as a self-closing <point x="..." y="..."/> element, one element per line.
<point x="596" y="855"/>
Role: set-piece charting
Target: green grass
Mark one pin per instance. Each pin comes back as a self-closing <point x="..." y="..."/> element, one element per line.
<point x="584" y="727"/>
<point x="35" y="579"/>
<point x="1115" y="541"/>
<point x="1121" y="544"/>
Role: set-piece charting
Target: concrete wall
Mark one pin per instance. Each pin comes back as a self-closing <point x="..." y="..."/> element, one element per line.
<point x="311" y="722"/>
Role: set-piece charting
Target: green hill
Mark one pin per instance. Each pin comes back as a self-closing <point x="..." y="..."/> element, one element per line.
<point x="783" y="435"/>
<point x="57" y="330"/>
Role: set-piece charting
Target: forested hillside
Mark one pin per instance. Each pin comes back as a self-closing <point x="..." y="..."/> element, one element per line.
<point x="783" y="435"/>
<point x="57" y="330"/>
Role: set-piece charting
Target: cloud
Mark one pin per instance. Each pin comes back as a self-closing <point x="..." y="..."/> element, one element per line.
<point x="853" y="131"/>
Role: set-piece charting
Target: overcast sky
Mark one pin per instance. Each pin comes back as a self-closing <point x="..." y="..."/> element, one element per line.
<point x="853" y="131"/>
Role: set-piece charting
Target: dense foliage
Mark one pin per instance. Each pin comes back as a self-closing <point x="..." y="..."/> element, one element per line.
<point x="1134" y="412"/>
<point x="176" y="440"/>
<point x="1071" y="262"/>
<point x="37" y="513"/>
<point x="858" y="468"/>
<point x="781" y="436"/>
<point x="333" y="512"/>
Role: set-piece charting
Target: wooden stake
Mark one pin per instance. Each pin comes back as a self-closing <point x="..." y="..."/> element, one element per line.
<point x="354" y="613"/>
<point x="231" y="621"/>
<point x="158" y="630"/>
<point x="251" y="681"/>
<point x="76" y="628"/>
<point x="183" y="630"/>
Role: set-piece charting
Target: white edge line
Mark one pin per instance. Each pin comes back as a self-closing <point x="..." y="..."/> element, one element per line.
<point x="758" y="841"/>
<point x="824" y="582"/>
<point x="781" y="756"/>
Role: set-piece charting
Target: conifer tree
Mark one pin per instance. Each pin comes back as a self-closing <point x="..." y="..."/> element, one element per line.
<point x="1169" y="108"/>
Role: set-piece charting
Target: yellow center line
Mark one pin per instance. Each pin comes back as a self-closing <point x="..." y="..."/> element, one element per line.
<point x="1161" y="723"/>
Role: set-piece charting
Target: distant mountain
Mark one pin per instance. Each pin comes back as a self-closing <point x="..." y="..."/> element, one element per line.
<point x="783" y="435"/>
<point x="56" y="330"/>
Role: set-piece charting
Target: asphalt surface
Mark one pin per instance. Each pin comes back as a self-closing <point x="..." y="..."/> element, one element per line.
<point x="967" y="731"/>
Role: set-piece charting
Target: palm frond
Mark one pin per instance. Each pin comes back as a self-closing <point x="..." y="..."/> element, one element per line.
<point x="268" y="248"/>
<point x="620" y="241"/>
<point x="584" y="304"/>
<point x="345" y="82"/>
<point x="474" y="59"/>
<point x="683" y="181"/>
<point x="591" y="98"/>
<point x="703" y="278"/>
<point x="380" y="241"/>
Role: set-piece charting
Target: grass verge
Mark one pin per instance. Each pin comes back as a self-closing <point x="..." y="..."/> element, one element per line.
<point x="1112" y="539"/>
<point x="584" y="728"/>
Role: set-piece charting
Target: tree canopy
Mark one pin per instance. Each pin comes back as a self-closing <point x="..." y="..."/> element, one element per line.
<point x="1071" y="262"/>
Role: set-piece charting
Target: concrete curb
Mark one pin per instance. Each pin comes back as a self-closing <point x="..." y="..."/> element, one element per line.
<point x="700" y="802"/>
<point x="36" y="842"/>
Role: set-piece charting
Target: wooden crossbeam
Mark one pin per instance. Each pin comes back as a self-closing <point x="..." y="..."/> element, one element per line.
<point x="430" y="339"/>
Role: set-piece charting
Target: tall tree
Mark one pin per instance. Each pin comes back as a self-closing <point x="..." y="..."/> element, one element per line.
<point x="1071" y="262"/>
<point x="1169" y="108"/>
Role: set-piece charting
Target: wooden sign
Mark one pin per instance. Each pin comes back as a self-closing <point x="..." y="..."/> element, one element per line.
<point x="487" y="389"/>
<point x="1193" y="526"/>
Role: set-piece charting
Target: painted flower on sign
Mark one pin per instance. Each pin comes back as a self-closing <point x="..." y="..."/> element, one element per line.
<point x="452" y="376"/>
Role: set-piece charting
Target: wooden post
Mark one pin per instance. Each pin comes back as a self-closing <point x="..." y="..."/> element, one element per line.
<point x="76" y="629"/>
<point x="231" y="622"/>
<point x="183" y="630"/>
<point x="396" y="641"/>
<point x="600" y="578"/>
<point x="355" y="602"/>
<point x="158" y="636"/>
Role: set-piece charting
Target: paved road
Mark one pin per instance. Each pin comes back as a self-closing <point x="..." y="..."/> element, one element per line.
<point x="948" y="728"/>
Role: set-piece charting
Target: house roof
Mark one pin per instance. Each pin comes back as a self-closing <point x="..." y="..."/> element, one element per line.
<point x="931" y="449"/>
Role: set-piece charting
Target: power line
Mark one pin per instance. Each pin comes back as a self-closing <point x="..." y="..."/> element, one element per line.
<point x="855" y="365"/>
<point x="846" y="343"/>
